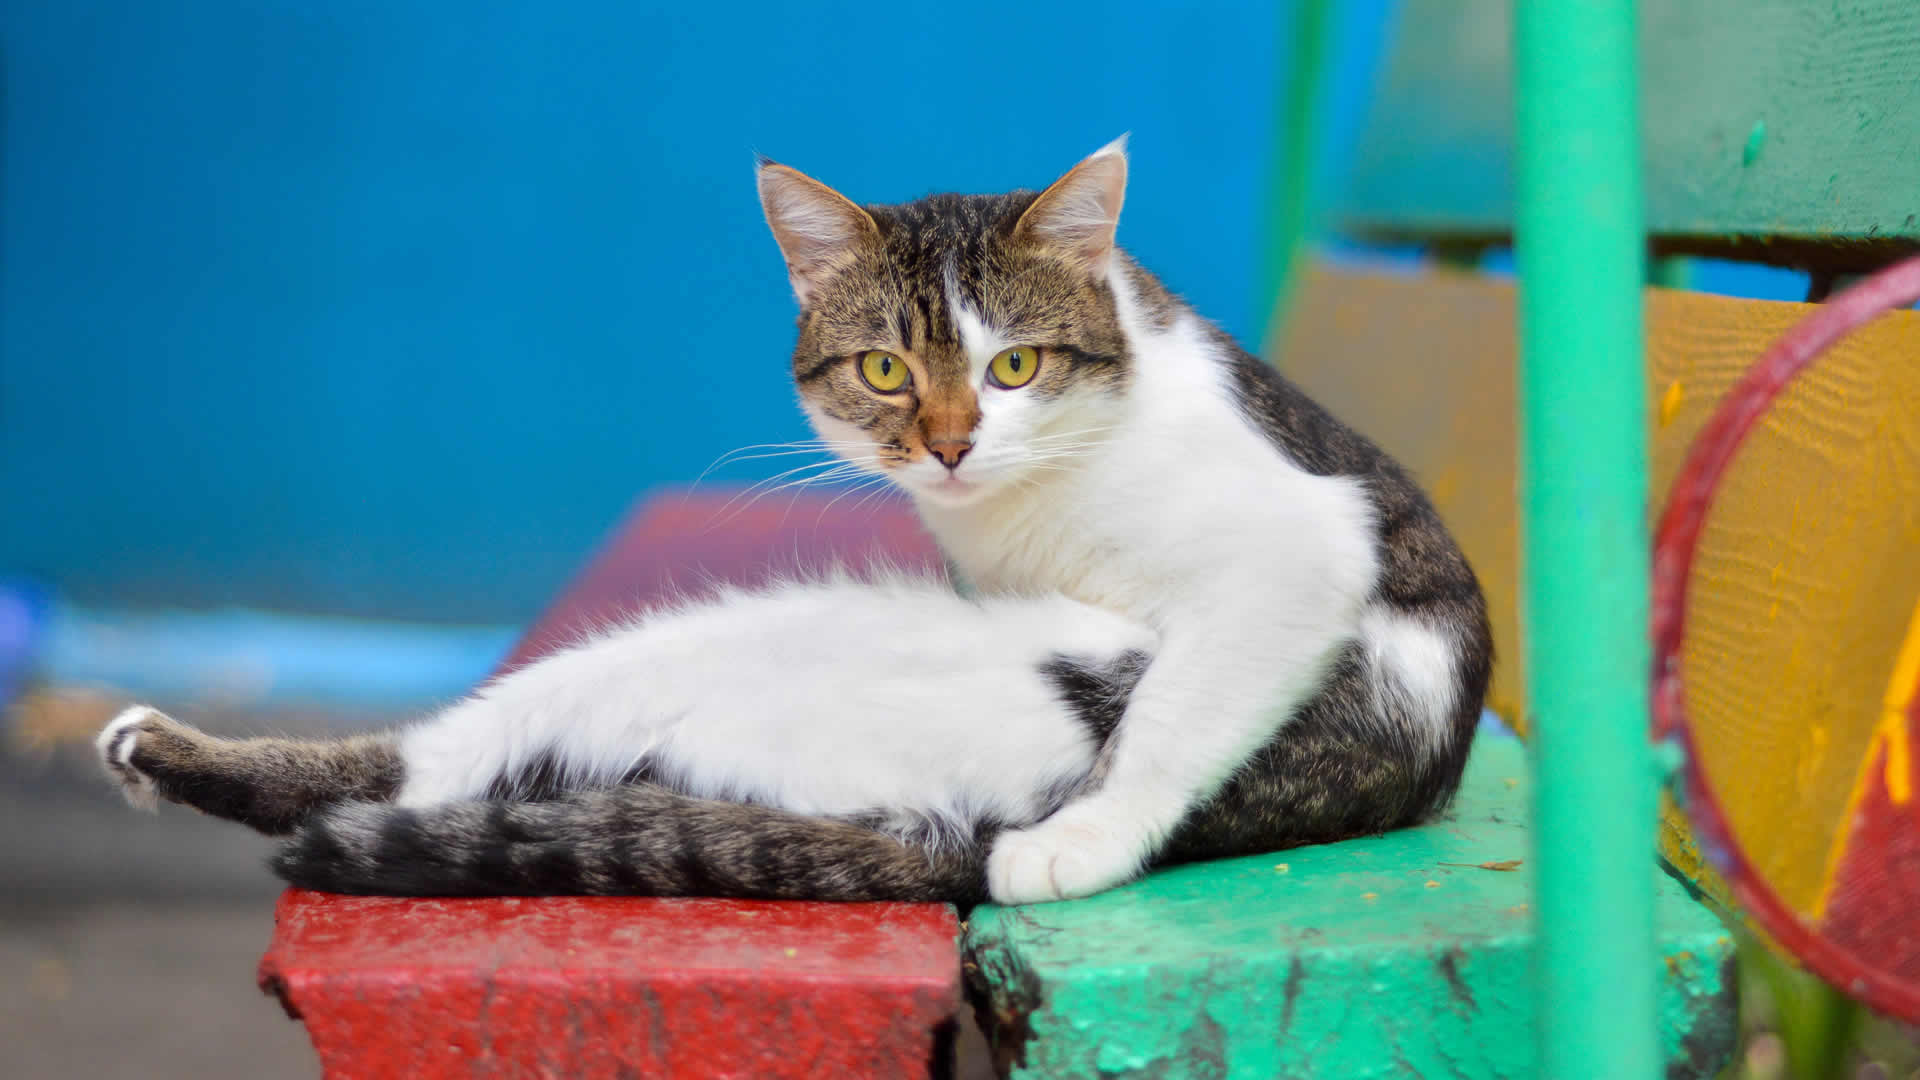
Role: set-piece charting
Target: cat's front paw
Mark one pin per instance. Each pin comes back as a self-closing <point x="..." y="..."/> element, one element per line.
<point x="1064" y="857"/>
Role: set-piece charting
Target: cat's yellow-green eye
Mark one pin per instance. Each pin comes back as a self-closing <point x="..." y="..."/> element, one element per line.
<point x="1015" y="367"/>
<point x="883" y="371"/>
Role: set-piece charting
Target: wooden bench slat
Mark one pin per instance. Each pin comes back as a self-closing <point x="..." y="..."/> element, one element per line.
<point x="1784" y="131"/>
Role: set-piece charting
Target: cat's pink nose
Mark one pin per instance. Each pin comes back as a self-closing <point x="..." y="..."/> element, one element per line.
<point x="949" y="451"/>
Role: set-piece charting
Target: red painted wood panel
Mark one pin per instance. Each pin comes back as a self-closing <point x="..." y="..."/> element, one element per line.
<point x="1870" y="917"/>
<point x="588" y="987"/>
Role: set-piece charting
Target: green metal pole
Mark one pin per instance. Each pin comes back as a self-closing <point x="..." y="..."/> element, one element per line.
<point x="1300" y="142"/>
<point x="1583" y="483"/>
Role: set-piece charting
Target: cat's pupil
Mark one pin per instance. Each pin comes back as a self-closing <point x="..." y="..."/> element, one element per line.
<point x="1014" y="362"/>
<point x="886" y="366"/>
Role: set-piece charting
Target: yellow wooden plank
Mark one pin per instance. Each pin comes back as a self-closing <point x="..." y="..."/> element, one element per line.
<point x="1805" y="578"/>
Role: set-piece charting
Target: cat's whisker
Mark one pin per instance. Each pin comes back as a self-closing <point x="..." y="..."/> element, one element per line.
<point x="839" y="470"/>
<point x="1053" y="445"/>
<point x="1102" y="430"/>
<point x="832" y="466"/>
<point x="864" y="485"/>
<point x="878" y="490"/>
<point x="828" y="456"/>
<point x="804" y="446"/>
<point x="826" y="478"/>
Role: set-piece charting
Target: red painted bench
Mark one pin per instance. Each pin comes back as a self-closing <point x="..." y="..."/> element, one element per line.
<point x="587" y="987"/>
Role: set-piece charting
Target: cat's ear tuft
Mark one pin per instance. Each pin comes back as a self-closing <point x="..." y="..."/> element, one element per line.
<point x="1079" y="213"/>
<point x="817" y="228"/>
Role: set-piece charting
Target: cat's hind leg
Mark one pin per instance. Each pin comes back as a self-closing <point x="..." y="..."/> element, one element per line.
<point x="268" y="784"/>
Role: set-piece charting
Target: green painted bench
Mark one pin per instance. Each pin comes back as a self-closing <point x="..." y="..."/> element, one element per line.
<point x="1408" y="954"/>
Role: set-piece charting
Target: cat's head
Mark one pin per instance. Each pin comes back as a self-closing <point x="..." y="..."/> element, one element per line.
<point x="959" y="343"/>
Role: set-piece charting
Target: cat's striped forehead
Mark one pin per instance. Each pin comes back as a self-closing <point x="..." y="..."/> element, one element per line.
<point x="947" y="276"/>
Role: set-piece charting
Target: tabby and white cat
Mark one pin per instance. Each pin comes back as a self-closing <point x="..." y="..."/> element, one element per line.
<point x="1205" y="619"/>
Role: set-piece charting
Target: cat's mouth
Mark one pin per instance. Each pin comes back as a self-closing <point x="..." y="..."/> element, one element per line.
<point x="950" y="488"/>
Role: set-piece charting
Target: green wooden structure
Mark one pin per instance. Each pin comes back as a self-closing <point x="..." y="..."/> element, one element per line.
<point x="1409" y="954"/>
<point x="1530" y="933"/>
<point x="1779" y="131"/>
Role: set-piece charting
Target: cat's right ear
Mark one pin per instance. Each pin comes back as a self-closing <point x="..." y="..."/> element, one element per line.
<point x="818" y="229"/>
<point x="1078" y="214"/>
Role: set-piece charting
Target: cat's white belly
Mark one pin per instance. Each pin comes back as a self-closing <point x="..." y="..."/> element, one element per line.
<point x="959" y="746"/>
<point x="841" y="698"/>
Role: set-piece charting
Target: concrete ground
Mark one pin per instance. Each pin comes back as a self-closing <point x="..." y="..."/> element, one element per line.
<point x="142" y="991"/>
<point x="128" y="941"/>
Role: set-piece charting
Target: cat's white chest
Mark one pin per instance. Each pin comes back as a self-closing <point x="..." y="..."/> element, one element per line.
<point x="1228" y="523"/>
<point x="1084" y="540"/>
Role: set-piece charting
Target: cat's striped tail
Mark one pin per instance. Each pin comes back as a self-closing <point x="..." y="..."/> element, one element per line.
<point x="634" y="840"/>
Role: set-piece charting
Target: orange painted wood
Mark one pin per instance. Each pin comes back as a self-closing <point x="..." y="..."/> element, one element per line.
<point x="579" y="987"/>
<point x="1805" y="579"/>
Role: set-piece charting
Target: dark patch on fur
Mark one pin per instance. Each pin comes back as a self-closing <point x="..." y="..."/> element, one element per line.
<point x="540" y="779"/>
<point x="818" y="369"/>
<point x="1096" y="692"/>
<point x="400" y="842"/>
<point x="549" y="868"/>
<point x="313" y="846"/>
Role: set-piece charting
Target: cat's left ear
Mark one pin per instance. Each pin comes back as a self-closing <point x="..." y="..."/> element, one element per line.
<point x="1079" y="213"/>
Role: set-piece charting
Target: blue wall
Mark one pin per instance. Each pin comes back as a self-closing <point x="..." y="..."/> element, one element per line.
<point x="391" y="308"/>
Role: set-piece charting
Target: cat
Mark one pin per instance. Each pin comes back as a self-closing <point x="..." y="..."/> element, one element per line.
<point x="1203" y="618"/>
